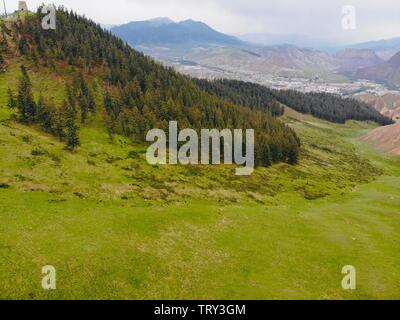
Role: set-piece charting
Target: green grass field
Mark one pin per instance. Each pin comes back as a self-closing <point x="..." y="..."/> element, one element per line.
<point x="116" y="228"/>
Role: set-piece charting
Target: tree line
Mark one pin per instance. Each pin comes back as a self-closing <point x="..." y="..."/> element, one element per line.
<point x="246" y="94"/>
<point x="324" y="106"/>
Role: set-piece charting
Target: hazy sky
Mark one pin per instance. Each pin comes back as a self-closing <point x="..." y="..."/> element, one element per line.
<point x="376" y="19"/>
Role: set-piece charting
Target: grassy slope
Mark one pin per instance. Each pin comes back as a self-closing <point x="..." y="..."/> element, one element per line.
<point x="114" y="227"/>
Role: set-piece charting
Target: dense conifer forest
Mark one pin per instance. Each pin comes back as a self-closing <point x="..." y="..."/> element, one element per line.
<point x="325" y="106"/>
<point x="247" y="94"/>
<point x="139" y="94"/>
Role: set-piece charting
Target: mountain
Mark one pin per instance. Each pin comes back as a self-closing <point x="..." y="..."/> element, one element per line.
<point x="386" y="138"/>
<point x="164" y="32"/>
<point x="350" y="60"/>
<point x="383" y="48"/>
<point x="259" y="64"/>
<point x="387" y="72"/>
<point x="195" y="43"/>
<point x="388" y="104"/>
<point x="378" y="44"/>
<point x="286" y="61"/>
<point x="196" y="49"/>
<point x="298" y="40"/>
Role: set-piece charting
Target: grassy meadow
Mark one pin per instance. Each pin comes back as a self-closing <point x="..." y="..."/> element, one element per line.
<point x="115" y="227"/>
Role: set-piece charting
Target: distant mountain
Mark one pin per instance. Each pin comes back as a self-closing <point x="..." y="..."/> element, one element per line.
<point x="298" y="40"/>
<point x="196" y="49"/>
<point x="165" y="32"/>
<point x="387" y="72"/>
<point x="383" y="48"/>
<point x="378" y="44"/>
<point x="282" y="61"/>
<point x="351" y="60"/>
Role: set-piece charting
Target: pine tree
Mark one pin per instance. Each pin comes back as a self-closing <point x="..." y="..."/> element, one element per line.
<point x="23" y="46"/>
<point x="83" y="103"/>
<point x="71" y="97"/>
<point x="293" y="152"/>
<point x="2" y="63"/>
<point x="12" y="103"/>
<point x="71" y="128"/>
<point x="44" y="114"/>
<point x="91" y="102"/>
<point x="109" y="115"/>
<point x="25" y="101"/>
<point x="109" y="104"/>
<point x="85" y="98"/>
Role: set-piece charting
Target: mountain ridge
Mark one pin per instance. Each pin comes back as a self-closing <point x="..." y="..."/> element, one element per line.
<point x="194" y="47"/>
<point x="164" y="31"/>
<point x="388" y="72"/>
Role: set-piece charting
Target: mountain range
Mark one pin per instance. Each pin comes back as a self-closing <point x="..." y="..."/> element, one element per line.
<point x="385" y="48"/>
<point x="388" y="72"/>
<point x="161" y="31"/>
<point x="299" y="40"/>
<point x="197" y="49"/>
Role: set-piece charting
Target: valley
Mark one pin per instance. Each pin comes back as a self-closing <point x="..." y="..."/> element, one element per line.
<point x="212" y="55"/>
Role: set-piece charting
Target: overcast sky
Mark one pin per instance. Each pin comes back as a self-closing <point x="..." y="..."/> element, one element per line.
<point x="376" y="19"/>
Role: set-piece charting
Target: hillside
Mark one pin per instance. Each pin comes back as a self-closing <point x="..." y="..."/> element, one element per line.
<point x="136" y="94"/>
<point x="115" y="227"/>
<point x="386" y="138"/>
<point x="351" y="60"/>
<point x="387" y="104"/>
<point x="321" y="105"/>
<point x="385" y="48"/>
<point x="106" y="219"/>
<point x="388" y="72"/>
